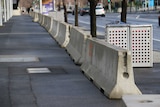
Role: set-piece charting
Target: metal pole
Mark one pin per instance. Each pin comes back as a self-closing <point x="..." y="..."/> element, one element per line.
<point x="54" y="5"/>
<point x="5" y="15"/>
<point x="11" y="8"/>
<point x="109" y="6"/>
<point x="1" y="14"/>
<point x="7" y="9"/>
<point x="40" y="6"/>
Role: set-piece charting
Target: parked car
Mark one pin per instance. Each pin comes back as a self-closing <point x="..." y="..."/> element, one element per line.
<point x="100" y="11"/>
<point x="69" y="8"/>
<point x="84" y="11"/>
<point x="73" y="11"/>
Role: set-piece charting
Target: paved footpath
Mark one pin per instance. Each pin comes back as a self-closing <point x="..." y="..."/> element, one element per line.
<point x="26" y="47"/>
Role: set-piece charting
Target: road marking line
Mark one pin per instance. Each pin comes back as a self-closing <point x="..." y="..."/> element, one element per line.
<point x="87" y="23"/>
<point x="156" y="40"/>
<point x="137" y="17"/>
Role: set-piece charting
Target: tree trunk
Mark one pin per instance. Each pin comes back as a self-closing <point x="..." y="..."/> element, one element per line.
<point x="124" y="11"/>
<point x="93" y="27"/>
<point x="59" y="6"/>
<point x="76" y="13"/>
<point x="65" y="11"/>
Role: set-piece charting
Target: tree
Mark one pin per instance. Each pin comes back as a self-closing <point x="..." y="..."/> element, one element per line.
<point x="76" y="12"/>
<point x="59" y="5"/>
<point x="93" y="27"/>
<point x="131" y="4"/>
<point x="65" y="12"/>
<point x="124" y="11"/>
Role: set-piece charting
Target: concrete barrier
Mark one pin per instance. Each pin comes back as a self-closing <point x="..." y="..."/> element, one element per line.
<point x="35" y="17"/>
<point x="57" y="15"/>
<point x="44" y="22"/>
<point x="76" y="45"/>
<point x="110" y="68"/>
<point x="40" y="18"/>
<point x="63" y="34"/>
<point x="31" y="13"/>
<point x="54" y="28"/>
<point x="49" y="22"/>
<point x="16" y="12"/>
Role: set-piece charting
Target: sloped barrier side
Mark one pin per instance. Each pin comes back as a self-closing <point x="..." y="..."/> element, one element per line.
<point x="49" y="22"/>
<point x="35" y="17"/>
<point x="76" y="46"/>
<point x="42" y="21"/>
<point x="44" y="24"/>
<point x="110" y="68"/>
<point x="40" y="18"/>
<point x="63" y="34"/>
<point x="31" y="13"/>
<point x="54" y="28"/>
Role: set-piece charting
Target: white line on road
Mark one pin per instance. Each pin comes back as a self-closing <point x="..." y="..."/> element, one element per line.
<point x="157" y="40"/>
<point x="137" y="16"/>
<point x="87" y="23"/>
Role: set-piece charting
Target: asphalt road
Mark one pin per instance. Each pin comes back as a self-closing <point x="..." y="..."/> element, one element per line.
<point x="147" y="18"/>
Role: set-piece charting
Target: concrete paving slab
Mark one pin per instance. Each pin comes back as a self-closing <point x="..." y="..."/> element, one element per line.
<point x="156" y="57"/>
<point x="141" y="100"/>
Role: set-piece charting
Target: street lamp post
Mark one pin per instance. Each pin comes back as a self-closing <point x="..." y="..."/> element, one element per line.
<point x="0" y="13"/>
<point x="109" y="5"/>
<point x="11" y="8"/>
<point x="54" y="5"/>
<point x="8" y="10"/>
<point x="40" y="6"/>
<point x="4" y="5"/>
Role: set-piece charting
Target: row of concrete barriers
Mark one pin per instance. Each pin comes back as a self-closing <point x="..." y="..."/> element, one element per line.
<point x="109" y="67"/>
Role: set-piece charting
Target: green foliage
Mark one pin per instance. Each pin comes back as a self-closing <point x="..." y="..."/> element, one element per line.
<point x="117" y="4"/>
<point x="137" y="3"/>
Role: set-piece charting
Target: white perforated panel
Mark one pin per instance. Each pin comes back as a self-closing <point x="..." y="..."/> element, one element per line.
<point x="137" y="38"/>
<point x="118" y="36"/>
<point x="141" y="42"/>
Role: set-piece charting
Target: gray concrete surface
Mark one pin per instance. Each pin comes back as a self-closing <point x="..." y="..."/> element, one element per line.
<point x="65" y="85"/>
<point x="145" y="100"/>
<point x="156" y="56"/>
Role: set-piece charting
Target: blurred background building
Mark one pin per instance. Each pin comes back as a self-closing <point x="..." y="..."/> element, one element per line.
<point x="47" y="4"/>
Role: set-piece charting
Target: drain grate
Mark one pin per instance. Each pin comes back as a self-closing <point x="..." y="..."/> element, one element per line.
<point x="38" y="70"/>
